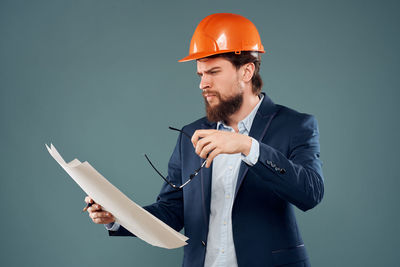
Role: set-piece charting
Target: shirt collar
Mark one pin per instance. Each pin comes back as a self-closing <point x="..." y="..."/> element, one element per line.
<point x="246" y="123"/>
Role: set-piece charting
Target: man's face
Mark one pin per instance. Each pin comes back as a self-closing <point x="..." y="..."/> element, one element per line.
<point x="222" y="91"/>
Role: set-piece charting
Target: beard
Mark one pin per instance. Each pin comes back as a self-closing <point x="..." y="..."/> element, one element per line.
<point x="225" y="108"/>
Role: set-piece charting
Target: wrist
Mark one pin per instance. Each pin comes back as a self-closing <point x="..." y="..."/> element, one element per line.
<point x="246" y="145"/>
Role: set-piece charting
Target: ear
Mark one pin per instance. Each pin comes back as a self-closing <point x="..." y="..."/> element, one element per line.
<point x="248" y="71"/>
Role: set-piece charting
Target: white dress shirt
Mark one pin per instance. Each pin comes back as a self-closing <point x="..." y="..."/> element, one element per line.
<point x="220" y="247"/>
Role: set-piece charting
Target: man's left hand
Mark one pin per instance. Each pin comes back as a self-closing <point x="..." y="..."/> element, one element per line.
<point x="214" y="142"/>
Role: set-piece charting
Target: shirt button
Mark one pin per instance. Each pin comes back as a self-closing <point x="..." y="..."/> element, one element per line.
<point x="227" y="196"/>
<point x="230" y="167"/>
<point x="222" y="251"/>
<point x="224" y="223"/>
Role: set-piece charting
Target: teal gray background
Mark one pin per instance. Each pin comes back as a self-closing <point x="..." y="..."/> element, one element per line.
<point x="100" y="80"/>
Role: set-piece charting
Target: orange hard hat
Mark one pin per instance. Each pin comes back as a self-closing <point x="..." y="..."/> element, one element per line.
<point x="222" y="33"/>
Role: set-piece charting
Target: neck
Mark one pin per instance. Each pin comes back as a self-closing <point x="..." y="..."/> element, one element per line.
<point x="249" y="102"/>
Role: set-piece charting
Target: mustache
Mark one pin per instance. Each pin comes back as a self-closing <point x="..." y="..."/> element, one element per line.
<point x="206" y="92"/>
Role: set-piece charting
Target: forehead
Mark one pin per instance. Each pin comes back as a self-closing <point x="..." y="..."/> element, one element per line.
<point x="205" y="64"/>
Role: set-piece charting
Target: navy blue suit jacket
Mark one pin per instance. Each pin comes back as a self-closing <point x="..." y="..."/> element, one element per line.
<point x="288" y="173"/>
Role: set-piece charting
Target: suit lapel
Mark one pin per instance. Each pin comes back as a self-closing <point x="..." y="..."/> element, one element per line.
<point x="205" y="177"/>
<point x="266" y="112"/>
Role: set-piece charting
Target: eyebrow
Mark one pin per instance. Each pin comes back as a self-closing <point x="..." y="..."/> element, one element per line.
<point x="210" y="70"/>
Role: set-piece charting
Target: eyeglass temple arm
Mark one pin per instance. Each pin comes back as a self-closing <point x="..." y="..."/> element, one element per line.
<point x="175" y="129"/>
<point x="204" y="162"/>
<point x="193" y="174"/>
<point x="165" y="179"/>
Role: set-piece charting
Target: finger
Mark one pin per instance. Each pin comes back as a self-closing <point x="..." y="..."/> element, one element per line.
<point x="211" y="156"/>
<point x="101" y="214"/>
<point x="195" y="138"/>
<point x="200" y="144"/>
<point x="94" y="208"/>
<point x="207" y="149"/>
<point x="103" y="220"/>
<point x="200" y="134"/>
<point x="98" y="221"/>
<point x="88" y="200"/>
<point x="102" y="217"/>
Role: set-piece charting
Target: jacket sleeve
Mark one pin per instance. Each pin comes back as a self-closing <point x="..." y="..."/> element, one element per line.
<point x="169" y="204"/>
<point x="297" y="178"/>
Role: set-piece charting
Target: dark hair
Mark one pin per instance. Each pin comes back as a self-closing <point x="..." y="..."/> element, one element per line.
<point x="245" y="57"/>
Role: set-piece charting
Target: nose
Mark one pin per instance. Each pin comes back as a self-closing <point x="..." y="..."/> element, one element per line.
<point x="204" y="82"/>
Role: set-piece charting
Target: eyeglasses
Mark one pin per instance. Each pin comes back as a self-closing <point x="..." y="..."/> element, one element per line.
<point x="194" y="174"/>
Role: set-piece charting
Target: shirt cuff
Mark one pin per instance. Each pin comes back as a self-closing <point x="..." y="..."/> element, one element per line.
<point x="252" y="158"/>
<point x="112" y="226"/>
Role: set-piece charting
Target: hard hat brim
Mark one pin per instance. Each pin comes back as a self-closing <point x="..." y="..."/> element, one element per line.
<point x="207" y="54"/>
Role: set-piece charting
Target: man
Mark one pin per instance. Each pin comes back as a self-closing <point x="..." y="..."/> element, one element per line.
<point x="261" y="160"/>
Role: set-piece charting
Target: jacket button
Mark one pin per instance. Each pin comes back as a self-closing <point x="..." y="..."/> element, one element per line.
<point x="204" y="244"/>
<point x="282" y="171"/>
<point x="268" y="162"/>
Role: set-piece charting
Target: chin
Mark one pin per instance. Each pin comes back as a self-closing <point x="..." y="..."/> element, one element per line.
<point x="213" y="102"/>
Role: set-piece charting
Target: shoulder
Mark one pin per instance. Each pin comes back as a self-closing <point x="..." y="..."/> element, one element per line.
<point x="201" y="123"/>
<point x="294" y="119"/>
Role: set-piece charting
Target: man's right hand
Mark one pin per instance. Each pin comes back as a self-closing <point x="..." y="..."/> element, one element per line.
<point x="97" y="214"/>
